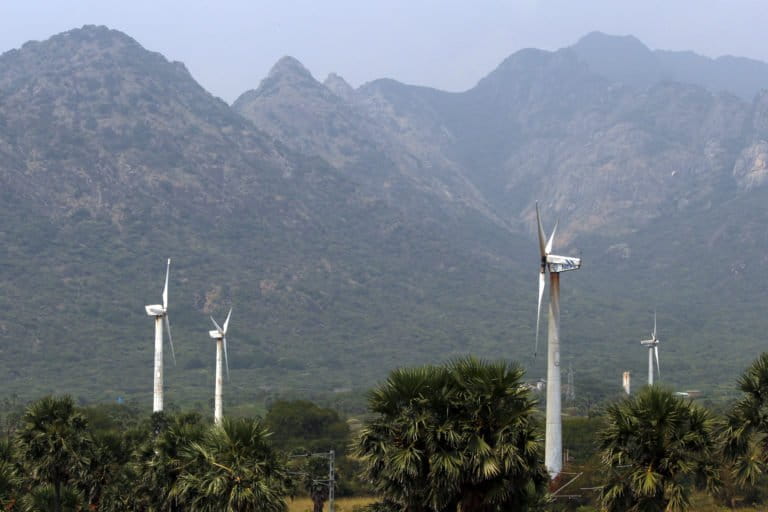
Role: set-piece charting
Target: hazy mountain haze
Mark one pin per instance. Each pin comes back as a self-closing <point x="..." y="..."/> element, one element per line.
<point x="229" y="46"/>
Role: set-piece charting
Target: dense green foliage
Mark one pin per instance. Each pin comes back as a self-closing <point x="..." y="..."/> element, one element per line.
<point x="746" y="432"/>
<point x="300" y="426"/>
<point x="653" y="444"/>
<point x="232" y="468"/>
<point x="56" y="461"/>
<point x="53" y="448"/>
<point x="462" y="436"/>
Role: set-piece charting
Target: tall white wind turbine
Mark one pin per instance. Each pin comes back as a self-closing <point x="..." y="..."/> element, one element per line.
<point x="220" y="335"/>
<point x="554" y="264"/>
<point x="160" y="312"/>
<point x="653" y="350"/>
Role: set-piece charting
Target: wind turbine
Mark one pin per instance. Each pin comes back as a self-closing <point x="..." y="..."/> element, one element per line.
<point x="653" y="348"/>
<point x="220" y="335"/>
<point x="554" y="264"/>
<point x="160" y="312"/>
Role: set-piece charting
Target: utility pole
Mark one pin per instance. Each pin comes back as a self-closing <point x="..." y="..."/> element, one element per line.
<point x="331" y="479"/>
<point x="331" y="482"/>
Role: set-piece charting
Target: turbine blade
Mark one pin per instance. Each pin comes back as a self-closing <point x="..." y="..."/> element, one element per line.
<point x="226" y="359"/>
<point x="654" y="325"/>
<point x="548" y="248"/>
<point x="542" y="246"/>
<point x="542" y="285"/>
<point x="165" y="289"/>
<point x="216" y="325"/>
<point x="170" y="338"/>
<point x="658" y="369"/>
<point x="226" y="322"/>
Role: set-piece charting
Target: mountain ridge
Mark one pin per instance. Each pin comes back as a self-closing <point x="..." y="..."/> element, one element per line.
<point x="619" y="162"/>
<point x="120" y="170"/>
<point x="384" y="226"/>
<point x="629" y="60"/>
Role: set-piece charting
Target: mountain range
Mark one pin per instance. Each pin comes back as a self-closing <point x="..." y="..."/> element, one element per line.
<point x="354" y="230"/>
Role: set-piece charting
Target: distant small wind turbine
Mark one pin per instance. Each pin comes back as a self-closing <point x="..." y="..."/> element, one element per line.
<point x="160" y="312"/>
<point x="653" y="348"/>
<point x="553" y="447"/>
<point x="220" y="335"/>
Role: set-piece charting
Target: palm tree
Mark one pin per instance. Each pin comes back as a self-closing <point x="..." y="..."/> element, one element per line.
<point x="107" y="481"/>
<point x="10" y="481"/>
<point x="653" y="444"/>
<point x="53" y="444"/>
<point x="746" y="433"/>
<point x="500" y="439"/>
<point x="157" y="462"/>
<point x="233" y="468"/>
<point x="44" y="498"/>
<point x="393" y="446"/>
<point x="461" y="436"/>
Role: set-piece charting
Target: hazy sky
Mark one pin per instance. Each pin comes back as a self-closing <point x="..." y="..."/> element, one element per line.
<point x="229" y="46"/>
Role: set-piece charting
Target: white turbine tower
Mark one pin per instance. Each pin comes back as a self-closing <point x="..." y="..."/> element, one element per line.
<point x="653" y="349"/>
<point x="160" y="312"/>
<point x="553" y="448"/>
<point x="220" y="335"/>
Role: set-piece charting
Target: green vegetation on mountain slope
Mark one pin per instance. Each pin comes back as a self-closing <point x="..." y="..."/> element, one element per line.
<point x="114" y="159"/>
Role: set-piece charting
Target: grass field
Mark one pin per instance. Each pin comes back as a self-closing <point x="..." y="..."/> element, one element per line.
<point x="341" y="505"/>
<point x="700" y="503"/>
<point x="703" y="503"/>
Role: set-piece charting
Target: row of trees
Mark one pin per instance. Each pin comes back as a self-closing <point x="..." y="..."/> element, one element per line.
<point x="57" y="457"/>
<point x="54" y="462"/>
<point x="466" y="437"/>
<point x="463" y="436"/>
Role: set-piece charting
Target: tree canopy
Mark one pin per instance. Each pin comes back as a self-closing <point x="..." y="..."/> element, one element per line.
<point x="460" y="436"/>
<point x="653" y="444"/>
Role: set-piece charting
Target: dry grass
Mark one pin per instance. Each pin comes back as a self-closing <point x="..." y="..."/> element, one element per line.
<point x="341" y="505"/>
<point x="702" y="503"/>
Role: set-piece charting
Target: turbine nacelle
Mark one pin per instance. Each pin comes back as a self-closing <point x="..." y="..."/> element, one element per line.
<point x="559" y="264"/>
<point x="155" y="310"/>
<point x="217" y="335"/>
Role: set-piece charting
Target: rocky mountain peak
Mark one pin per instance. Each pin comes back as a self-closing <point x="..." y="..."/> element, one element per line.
<point x="90" y="51"/>
<point x="627" y="60"/>
<point x="599" y="41"/>
<point x="98" y="34"/>
<point x="287" y="73"/>
<point x="290" y="68"/>
<point x="337" y="85"/>
<point x="621" y="58"/>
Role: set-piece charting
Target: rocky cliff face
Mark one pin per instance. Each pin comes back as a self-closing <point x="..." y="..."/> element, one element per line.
<point x="608" y="149"/>
<point x="332" y="121"/>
